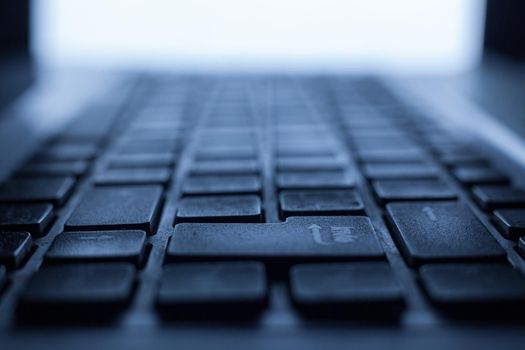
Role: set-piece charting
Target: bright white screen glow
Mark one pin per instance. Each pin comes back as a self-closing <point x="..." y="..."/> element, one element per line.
<point x="437" y="36"/>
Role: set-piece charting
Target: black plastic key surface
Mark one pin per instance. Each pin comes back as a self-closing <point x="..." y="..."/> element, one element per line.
<point x="391" y="156"/>
<point x="231" y="208"/>
<point x="54" y="168"/>
<point x="54" y="190"/>
<point x="69" y="151"/>
<point x="120" y="207"/>
<point x="478" y="174"/>
<point x="218" y="290"/>
<point x="401" y="190"/>
<point x="440" y="232"/>
<point x="327" y="202"/>
<point x="14" y="247"/>
<point x="498" y="196"/>
<point x="78" y="291"/>
<point x="298" y="239"/>
<point x="511" y="222"/>
<point x="475" y="290"/>
<point x="2" y="276"/>
<point x="351" y="290"/>
<point x="227" y="184"/>
<point x="34" y="218"/>
<point x="126" y="161"/>
<point x="382" y="171"/>
<point x="133" y="176"/>
<point x="313" y="163"/>
<point x="314" y="180"/>
<point x="93" y="246"/>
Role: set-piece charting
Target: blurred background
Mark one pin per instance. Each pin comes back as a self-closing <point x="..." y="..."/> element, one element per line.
<point x="380" y="36"/>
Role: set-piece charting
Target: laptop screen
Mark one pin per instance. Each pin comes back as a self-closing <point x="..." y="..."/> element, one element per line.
<point x="435" y="36"/>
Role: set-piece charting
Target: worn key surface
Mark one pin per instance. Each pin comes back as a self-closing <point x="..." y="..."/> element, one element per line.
<point x="212" y="290"/>
<point x="346" y="290"/>
<point x="473" y="290"/>
<point x="120" y="207"/>
<point x="34" y="218"/>
<point x="440" y="231"/>
<point x="227" y="184"/>
<point x="401" y="190"/>
<point x="234" y="208"/>
<point x="14" y="247"/>
<point x="125" y="246"/>
<point x="321" y="202"/>
<point x="80" y="292"/>
<point x="297" y="239"/>
<point x="23" y="190"/>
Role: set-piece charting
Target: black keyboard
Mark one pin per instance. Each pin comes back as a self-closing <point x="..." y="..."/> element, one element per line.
<point x="256" y="199"/>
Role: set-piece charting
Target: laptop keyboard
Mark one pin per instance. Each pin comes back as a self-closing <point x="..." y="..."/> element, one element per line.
<point x="251" y="199"/>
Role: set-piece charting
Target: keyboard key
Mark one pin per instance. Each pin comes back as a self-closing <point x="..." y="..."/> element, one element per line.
<point x="226" y="153"/>
<point x="147" y="147"/>
<point x="402" y="190"/>
<point x="228" y="184"/>
<point x="124" y="161"/>
<point x="474" y="290"/>
<point x="321" y="203"/>
<point x="110" y="208"/>
<point x="440" y="231"/>
<point x="133" y="176"/>
<point x="69" y="151"/>
<point x="81" y="292"/>
<point x="498" y="196"/>
<point x="346" y="290"/>
<point x="14" y="247"/>
<point x="511" y="222"/>
<point x="313" y="163"/>
<point x="3" y="276"/>
<point x="124" y="246"/>
<point x="229" y="167"/>
<point x="478" y="174"/>
<point x="298" y="239"/>
<point x="54" y="168"/>
<point x="387" y="171"/>
<point x="244" y="208"/>
<point x="391" y="156"/>
<point x="21" y="190"/>
<point x="314" y="180"/>
<point x="34" y="218"/>
<point x="221" y="290"/>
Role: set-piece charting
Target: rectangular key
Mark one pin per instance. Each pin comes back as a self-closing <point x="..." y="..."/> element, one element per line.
<point x="313" y="163"/>
<point x="498" y="196"/>
<point x="327" y="202"/>
<point x="511" y="222"/>
<point x="352" y="290"/>
<point x="228" y="184"/>
<point x="218" y="290"/>
<point x="98" y="246"/>
<point x="3" y="276"/>
<point x="54" y="190"/>
<point x="133" y="176"/>
<point x="228" y="167"/>
<point x="34" y="218"/>
<point x="440" y="232"/>
<point x="80" y="291"/>
<point x="110" y="208"/>
<point x="124" y="161"/>
<point x="475" y="290"/>
<point x="388" y="171"/>
<point x="314" y="180"/>
<point x="408" y="190"/>
<point x="391" y="156"/>
<point x="75" y="168"/>
<point x="232" y="208"/>
<point x="298" y="239"/>
<point x="14" y="247"/>
<point x="478" y="174"/>
<point x="69" y="151"/>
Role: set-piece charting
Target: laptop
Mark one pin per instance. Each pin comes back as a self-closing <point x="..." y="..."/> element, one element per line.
<point x="258" y="210"/>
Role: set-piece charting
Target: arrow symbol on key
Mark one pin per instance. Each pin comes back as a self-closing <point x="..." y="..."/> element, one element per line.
<point x="316" y="233"/>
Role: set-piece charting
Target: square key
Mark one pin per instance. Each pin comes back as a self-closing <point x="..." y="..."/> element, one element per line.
<point x="329" y="202"/>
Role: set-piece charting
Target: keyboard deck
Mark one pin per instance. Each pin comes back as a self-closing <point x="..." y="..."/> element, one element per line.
<point x="269" y="201"/>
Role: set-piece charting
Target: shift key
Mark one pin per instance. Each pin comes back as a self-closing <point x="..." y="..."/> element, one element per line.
<point x="429" y="232"/>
